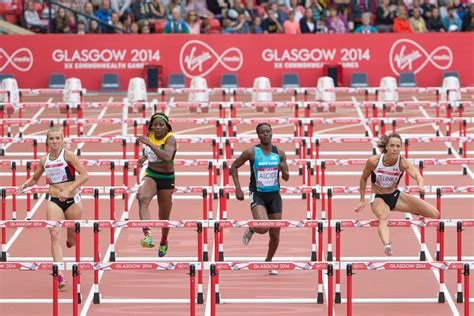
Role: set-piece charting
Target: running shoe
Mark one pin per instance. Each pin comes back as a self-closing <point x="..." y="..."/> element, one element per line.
<point x="273" y="272"/>
<point x="163" y="249"/>
<point x="147" y="242"/>
<point x="61" y="282"/>
<point x="388" y="249"/>
<point x="247" y="236"/>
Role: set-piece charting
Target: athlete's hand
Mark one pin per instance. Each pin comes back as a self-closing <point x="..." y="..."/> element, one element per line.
<point x="282" y="166"/>
<point x="21" y="188"/>
<point x="144" y="140"/>
<point x="64" y="195"/>
<point x="141" y="161"/>
<point x="361" y="206"/>
<point x="239" y="194"/>
<point x="421" y="189"/>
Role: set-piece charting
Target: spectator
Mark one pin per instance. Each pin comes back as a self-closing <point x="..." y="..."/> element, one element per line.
<point x="88" y="9"/>
<point x="115" y="23"/>
<point x="205" y="26"/>
<point x="32" y="18"/>
<point x="193" y="23"/>
<point x="104" y="12"/>
<point x="386" y="12"/>
<point x="145" y="28"/>
<point x="157" y="10"/>
<point x="357" y="8"/>
<point x="307" y="23"/>
<point x="401" y="24"/>
<point x="297" y="9"/>
<point x="321" y="26"/>
<point x="199" y="6"/>
<point x="434" y="24"/>
<point x="292" y="26"/>
<point x="81" y="27"/>
<point x="227" y="27"/>
<point x="72" y="16"/>
<point x="235" y="10"/>
<point x="452" y="23"/>
<point x="126" y="21"/>
<point x="175" y="4"/>
<point x="366" y="28"/>
<point x="270" y="24"/>
<point x="134" y="28"/>
<point x="416" y="5"/>
<point x="336" y="22"/>
<point x="121" y="6"/>
<point x="468" y="21"/>
<point x="141" y="11"/>
<point x="250" y="11"/>
<point x="461" y="8"/>
<point x="93" y="27"/>
<point x="427" y="8"/>
<point x="319" y="8"/>
<point x="256" y="27"/>
<point x="61" y="22"/>
<point x="417" y="22"/>
<point x="241" y="26"/>
<point x="176" y="24"/>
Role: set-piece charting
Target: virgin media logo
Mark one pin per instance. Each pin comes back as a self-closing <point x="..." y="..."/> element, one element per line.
<point x="21" y="59"/>
<point x="198" y="59"/>
<point x="408" y="55"/>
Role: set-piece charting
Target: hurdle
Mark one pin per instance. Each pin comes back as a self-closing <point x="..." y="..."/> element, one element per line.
<point x="403" y="266"/>
<point x="215" y="268"/>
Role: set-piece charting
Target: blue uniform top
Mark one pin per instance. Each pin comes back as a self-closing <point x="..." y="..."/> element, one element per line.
<point x="264" y="172"/>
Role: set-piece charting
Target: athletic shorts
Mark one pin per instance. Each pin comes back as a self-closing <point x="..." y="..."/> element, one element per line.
<point x="270" y="200"/>
<point x="64" y="205"/>
<point x="390" y="199"/>
<point x="163" y="180"/>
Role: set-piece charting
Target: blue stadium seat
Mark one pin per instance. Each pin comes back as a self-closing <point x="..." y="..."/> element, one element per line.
<point x="5" y="76"/>
<point x="229" y="81"/>
<point x="359" y="80"/>
<point x="407" y="80"/>
<point x="290" y="81"/>
<point x="56" y="81"/>
<point x="110" y="82"/>
<point x="176" y="81"/>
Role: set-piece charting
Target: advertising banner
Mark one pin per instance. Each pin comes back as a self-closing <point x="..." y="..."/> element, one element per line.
<point x="31" y="59"/>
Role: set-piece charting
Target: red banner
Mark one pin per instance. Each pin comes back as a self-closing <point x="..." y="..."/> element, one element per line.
<point x="32" y="58"/>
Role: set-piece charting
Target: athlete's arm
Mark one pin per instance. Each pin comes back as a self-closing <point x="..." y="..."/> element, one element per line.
<point x="283" y="167"/>
<point x="82" y="177"/>
<point x="244" y="157"/>
<point x="167" y="153"/>
<point x="407" y="166"/>
<point x="36" y="176"/>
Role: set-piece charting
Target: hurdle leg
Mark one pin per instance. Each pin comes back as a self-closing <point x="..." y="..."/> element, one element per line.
<point x="55" y="290"/>
<point x="200" y="295"/>
<point x="459" y="297"/>
<point x="192" y="289"/>
<point x="112" y="229"/>
<point x="4" y="231"/>
<point x="330" y="289"/>
<point x="96" y="299"/>
<point x="466" y="289"/>
<point x="329" y="253"/>
<point x="442" y="287"/>
<point x="337" y="295"/>
<point x="75" y="290"/>
<point x="320" y="257"/>
<point x="205" y="217"/>
<point x="213" y="290"/>
<point x="349" y="290"/>
<point x="77" y="229"/>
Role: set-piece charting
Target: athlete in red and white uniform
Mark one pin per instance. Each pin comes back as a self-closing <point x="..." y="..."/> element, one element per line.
<point x="385" y="171"/>
<point x="60" y="166"/>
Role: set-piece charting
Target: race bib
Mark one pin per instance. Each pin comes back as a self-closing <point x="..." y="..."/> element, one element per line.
<point x="267" y="176"/>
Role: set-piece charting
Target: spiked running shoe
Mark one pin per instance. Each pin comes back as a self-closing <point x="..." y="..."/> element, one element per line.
<point x="163" y="249"/>
<point x="61" y="282"/>
<point x="273" y="272"/>
<point x="247" y="236"/>
<point x="388" y="249"/>
<point x="147" y="242"/>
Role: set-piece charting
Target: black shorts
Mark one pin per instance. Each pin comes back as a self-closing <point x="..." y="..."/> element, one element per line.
<point x="163" y="180"/>
<point x="270" y="200"/>
<point x="390" y="199"/>
<point x="64" y="205"/>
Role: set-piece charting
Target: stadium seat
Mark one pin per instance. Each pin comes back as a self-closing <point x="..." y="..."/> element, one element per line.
<point x="407" y="80"/>
<point x="229" y="81"/>
<point x="110" y="82"/>
<point x="56" y="81"/>
<point x="176" y="81"/>
<point x="452" y="74"/>
<point x="290" y="81"/>
<point x="5" y="76"/>
<point x="359" y="80"/>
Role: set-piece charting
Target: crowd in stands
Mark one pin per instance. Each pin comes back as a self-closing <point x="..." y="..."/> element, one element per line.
<point x="249" y="16"/>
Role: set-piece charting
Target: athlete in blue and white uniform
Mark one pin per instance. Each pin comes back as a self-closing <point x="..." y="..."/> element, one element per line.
<point x="266" y="164"/>
<point x="385" y="171"/>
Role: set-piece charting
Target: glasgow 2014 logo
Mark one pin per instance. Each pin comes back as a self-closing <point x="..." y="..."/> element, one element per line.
<point x="409" y="56"/>
<point x="198" y="59"/>
<point x="21" y="59"/>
